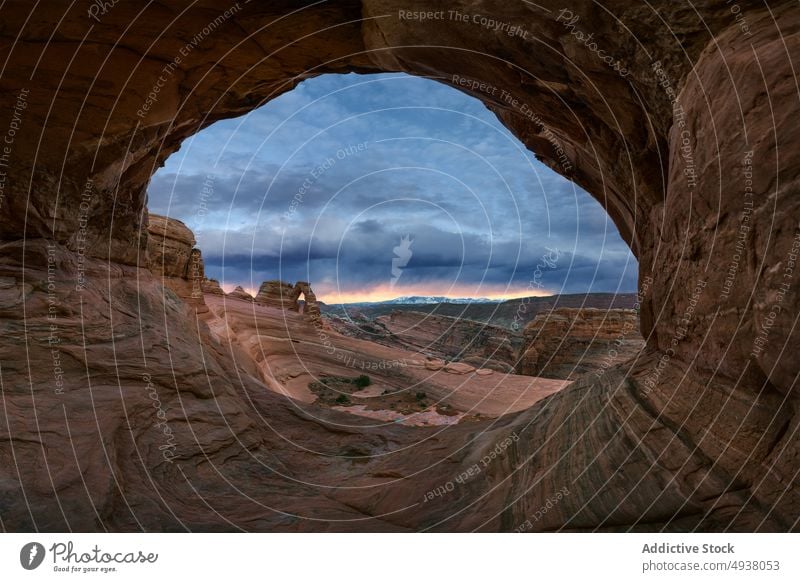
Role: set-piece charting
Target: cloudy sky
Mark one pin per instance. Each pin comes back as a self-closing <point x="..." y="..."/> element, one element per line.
<point x="325" y="182"/>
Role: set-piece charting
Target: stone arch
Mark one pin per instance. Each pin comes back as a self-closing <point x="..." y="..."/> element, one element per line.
<point x="96" y="128"/>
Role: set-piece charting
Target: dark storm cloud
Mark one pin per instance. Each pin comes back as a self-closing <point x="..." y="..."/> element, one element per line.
<point x="309" y="196"/>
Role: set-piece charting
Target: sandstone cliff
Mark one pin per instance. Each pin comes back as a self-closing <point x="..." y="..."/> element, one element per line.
<point x="173" y="257"/>
<point x="566" y="343"/>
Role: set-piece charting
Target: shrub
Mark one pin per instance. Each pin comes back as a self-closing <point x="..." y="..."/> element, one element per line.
<point x="421" y="396"/>
<point x="362" y="381"/>
<point x="342" y="399"/>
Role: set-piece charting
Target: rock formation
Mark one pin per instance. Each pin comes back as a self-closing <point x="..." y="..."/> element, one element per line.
<point x="278" y="294"/>
<point x="687" y="138"/>
<point x="311" y="306"/>
<point x="173" y="257"/>
<point x="240" y="293"/>
<point x="289" y="353"/>
<point x="478" y="344"/>
<point x="212" y="287"/>
<point x="566" y="343"/>
<point x="459" y="368"/>
<point x="170" y="246"/>
<point x="562" y="343"/>
<point x="513" y="314"/>
<point x="434" y="364"/>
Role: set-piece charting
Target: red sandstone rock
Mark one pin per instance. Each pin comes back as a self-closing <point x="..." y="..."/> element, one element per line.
<point x="434" y="364"/>
<point x="566" y="343"/>
<point x="170" y="246"/>
<point x="240" y="293"/>
<point x="172" y="257"/>
<point x="444" y="337"/>
<point x="277" y="294"/>
<point x="699" y="433"/>
<point x="212" y="287"/>
<point x="310" y="307"/>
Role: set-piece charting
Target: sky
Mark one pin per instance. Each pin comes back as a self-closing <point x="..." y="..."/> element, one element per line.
<point x="372" y="187"/>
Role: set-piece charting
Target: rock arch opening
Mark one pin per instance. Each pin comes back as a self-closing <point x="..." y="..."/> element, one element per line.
<point x="420" y="220"/>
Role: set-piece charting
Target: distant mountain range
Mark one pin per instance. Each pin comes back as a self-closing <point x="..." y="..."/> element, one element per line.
<point x="426" y="300"/>
<point x="512" y="313"/>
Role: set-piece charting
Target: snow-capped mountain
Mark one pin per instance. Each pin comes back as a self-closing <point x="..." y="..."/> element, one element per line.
<point x="428" y="300"/>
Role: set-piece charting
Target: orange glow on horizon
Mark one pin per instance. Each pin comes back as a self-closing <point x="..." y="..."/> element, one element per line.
<point x="386" y="292"/>
<point x="331" y="296"/>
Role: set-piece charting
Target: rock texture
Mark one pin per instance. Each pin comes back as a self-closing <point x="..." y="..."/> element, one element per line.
<point x="286" y="296"/>
<point x="690" y="145"/>
<point x="288" y="352"/>
<point x="212" y="287"/>
<point x="311" y="307"/>
<point x="240" y="293"/>
<point x="278" y="294"/>
<point x="562" y="343"/>
<point x="171" y="246"/>
<point x="451" y="338"/>
<point x="173" y="257"/>
<point x="567" y="343"/>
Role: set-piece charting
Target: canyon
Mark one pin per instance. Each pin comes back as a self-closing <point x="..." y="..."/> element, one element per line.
<point x="567" y="343"/>
<point x="561" y="343"/>
<point x="438" y="336"/>
<point x="288" y="348"/>
<point x="513" y="314"/>
<point x="288" y="352"/>
<point x="138" y="396"/>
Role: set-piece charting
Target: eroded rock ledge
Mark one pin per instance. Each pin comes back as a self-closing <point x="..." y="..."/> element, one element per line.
<point x="567" y="342"/>
<point x="173" y="257"/>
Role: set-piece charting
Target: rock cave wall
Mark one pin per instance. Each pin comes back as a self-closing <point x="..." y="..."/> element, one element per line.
<point x="690" y="147"/>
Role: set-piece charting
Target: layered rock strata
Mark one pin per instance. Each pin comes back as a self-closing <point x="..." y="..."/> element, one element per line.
<point x="212" y="287"/>
<point x="278" y="294"/>
<point x="452" y="338"/>
<point x="566" y="343"/>
<point x="240" y="293"/>
<point x="173" y="257"/>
